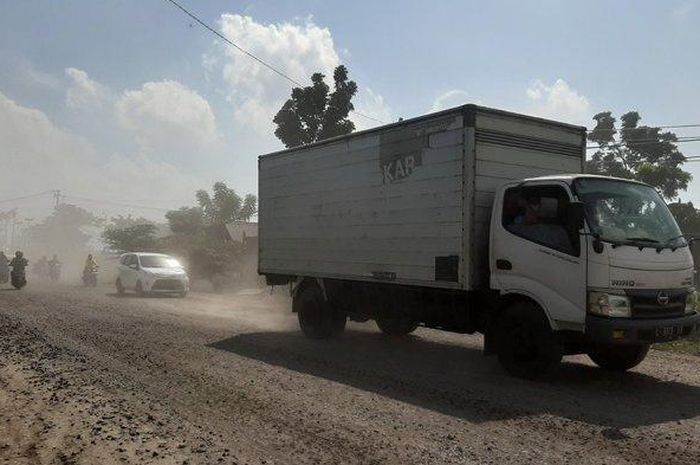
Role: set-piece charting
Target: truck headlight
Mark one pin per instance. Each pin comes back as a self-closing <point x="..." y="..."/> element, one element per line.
<point x="606" y="304"/>
<point x="691" y="302"/>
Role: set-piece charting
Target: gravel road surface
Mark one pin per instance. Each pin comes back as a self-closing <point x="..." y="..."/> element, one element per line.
<point x="88" y="377"/>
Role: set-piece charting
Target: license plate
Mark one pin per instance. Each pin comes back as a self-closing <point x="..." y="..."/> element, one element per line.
<point x="667" y="332"/>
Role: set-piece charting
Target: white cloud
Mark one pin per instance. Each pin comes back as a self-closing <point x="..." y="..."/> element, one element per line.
<point x="371" y="104"/>
<point x="31" y="142"/>
<point x="558" y="101"/>
<point x="451" y="98"/>
<point x="167" y="112"/>
<point x="298" y="50"/>
<point x="83" y="92"/>
<point x="37" y="156"/>
<point x="682" y="11"/>
<point x="165" y="119"/>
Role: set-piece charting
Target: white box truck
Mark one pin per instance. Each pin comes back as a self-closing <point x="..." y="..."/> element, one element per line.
<point x="476" y="220"/>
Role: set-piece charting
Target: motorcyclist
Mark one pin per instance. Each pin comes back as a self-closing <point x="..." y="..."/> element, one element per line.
<point x="54" y="268"/>
<point x="4" y="267"/>
<point x="18" y="264"/>
<point x="90" y="270"/>
<point x="40" y="269"/>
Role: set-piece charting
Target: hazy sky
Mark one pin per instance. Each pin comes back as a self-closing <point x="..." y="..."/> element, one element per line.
<point x="128" y="101"/>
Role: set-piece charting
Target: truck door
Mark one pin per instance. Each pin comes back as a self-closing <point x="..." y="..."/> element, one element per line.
<point x="534" y="253"/>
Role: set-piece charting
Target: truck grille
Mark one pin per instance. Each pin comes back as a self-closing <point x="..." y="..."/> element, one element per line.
<point x="645" y="303"/>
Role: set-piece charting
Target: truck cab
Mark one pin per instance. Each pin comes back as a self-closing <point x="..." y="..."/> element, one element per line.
<point x="601" y="258"/>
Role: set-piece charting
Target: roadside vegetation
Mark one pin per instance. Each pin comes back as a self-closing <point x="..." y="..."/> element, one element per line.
<point x="689" y="346"/>
<point x="196" y="235"/>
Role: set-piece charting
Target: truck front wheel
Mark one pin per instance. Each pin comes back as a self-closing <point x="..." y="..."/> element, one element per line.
<point x="396" y="326"/>
<point x="527" y="346"/>
<point x="316" y="319"/>
<point x="618" y="358"/>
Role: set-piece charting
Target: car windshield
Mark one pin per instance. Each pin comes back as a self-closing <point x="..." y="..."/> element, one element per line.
<point x="157" y="261"/>
<point x="627" y="212"/>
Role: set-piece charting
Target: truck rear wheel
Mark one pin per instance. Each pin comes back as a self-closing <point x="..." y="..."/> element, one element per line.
<point x="618" y="358"/>
<point x="396" y="326"/>
<point x="316" y="319"/>
<point x="527" y="346"/>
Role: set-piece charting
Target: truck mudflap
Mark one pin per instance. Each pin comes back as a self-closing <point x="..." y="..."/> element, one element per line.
<point x="602" y="330"/>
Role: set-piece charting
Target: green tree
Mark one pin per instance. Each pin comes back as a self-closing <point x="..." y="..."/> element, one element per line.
<point x="224" y="205"/>
<point x="199" y="233"/>
<point x="136" y="238"/>
<point x="187" y="221"/>
<point x="313" y="113"/>
<point x="64" y="232"/>
<point x="639" y="152"/>
<point x="687" y="217"/>
<point x="121" y="221"/>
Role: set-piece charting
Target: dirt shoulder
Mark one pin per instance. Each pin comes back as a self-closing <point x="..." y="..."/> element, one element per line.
<point x="53" y="412"/>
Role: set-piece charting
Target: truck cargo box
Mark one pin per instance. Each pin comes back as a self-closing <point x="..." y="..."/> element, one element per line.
<point x="407" y="203"/>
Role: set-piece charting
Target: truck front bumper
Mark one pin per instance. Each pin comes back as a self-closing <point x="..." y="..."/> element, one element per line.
<point x="602" y="330"/>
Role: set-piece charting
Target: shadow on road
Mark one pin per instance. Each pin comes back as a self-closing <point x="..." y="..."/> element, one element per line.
<point x="459" y="381"/>
<point x="131" y="295"/>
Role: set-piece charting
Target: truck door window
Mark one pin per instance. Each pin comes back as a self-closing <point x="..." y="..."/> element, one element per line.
<point x="538" y="214"/>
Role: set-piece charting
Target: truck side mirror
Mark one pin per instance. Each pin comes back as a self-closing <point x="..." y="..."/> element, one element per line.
<point x="575" y="216"/>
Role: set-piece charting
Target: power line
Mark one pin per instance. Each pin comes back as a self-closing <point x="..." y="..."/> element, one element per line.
<point x="647" y="128"/>
<point x="117" y="204"/>
<point x="679" y="140"/>
<point x="251" y="55"/>
<point x="26" y="197"/>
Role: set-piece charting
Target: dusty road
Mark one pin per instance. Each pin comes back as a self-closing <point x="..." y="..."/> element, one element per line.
<point x="87" y="377"/>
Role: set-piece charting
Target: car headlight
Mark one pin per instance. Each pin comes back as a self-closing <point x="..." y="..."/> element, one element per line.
<point x="606" y="304"/>
<point x="691" y="302"/>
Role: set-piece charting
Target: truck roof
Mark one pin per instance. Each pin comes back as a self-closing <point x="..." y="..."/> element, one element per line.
<point x="573" y="176"/>
<point x="470" y="107"/>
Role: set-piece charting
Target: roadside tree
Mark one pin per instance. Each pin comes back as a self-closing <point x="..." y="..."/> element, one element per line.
<point x="314" y="113"/>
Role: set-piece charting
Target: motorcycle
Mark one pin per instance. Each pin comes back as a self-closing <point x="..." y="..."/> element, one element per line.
<point x="19" y="279"/>
<point x="4" y="276"/>
<point x="90" y="277"/>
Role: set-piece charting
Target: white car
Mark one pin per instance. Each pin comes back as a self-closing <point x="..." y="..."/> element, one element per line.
<point x="146" y="273"/>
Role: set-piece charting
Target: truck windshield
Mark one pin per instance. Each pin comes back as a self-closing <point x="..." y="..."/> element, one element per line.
<point x="628" y="213"/>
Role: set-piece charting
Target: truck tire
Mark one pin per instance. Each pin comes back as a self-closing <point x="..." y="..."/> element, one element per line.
<point x="317" y="319"/>
<point x="527" y="346"/>
<point x="618" y="358"/>
<point x="396" y="326"/>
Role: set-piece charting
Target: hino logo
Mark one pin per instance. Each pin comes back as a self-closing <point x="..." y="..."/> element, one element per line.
<point x="662" y="298"/>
